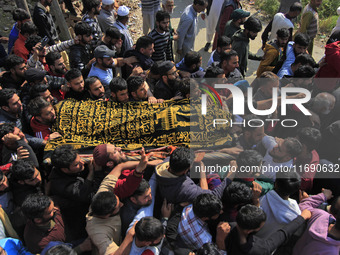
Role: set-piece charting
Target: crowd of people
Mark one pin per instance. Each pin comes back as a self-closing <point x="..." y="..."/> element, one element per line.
<point x="107" y="203"/>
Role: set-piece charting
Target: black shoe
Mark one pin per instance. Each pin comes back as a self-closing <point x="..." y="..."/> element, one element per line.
<point x="207" y="46"/>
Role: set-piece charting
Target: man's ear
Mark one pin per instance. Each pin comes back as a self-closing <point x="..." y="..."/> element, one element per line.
<point x="68" y="85"/>
<point x="12" y="70"/>
<point x="133" y="199"/>
<point x="133" y="94"/>
<point x="5" y="108"/>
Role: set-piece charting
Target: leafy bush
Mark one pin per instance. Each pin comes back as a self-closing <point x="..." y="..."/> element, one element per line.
<point x="269" y="6"/>
<point x="328" y="8"/>
<point x="326" y="25"/>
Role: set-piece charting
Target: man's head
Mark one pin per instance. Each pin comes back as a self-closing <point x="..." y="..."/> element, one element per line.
<point x="35" y="76"/>
<point x="20" y="16"/>
<point x="229" y="61"/>
<point x="149" y="232"/>
<point x="75" y="80"/>
<point x="31" y="41"/>
<point x="84" y="32"/>
<point x="249" y="159"/>
<point x="303" y="59"/>
<point x="10" y="102"/>
<point x="301" y="42"/>
<point x="108" y="155"/>
<point x="207" y="207"/>
<point x="250" y="218"/>
<point x="315" y="3"/>
<point x="286" y="149"/>
<point x="10" y="128"/>
<point x="239" y="16"/>
<point x="282" y="37"/>
<point x="295" y="9"/>
<point x="105" y="204"/>
<point x="181" y="160"/>
<point x="104" y="57"/>
<point x="61" y="249"/>
<point x="95" y="88"/>
<point x="56" y="63"/>
<point x="310" y="138"/>
<point x="189" y="88"/>
<point x="268" y="81"/>
<point x="114" y="37"/>
<point x="323" y="103"/>
<point x="38" y="208"/>
<point x="28" y="28"/>
<point x="163" y="21"/>
<point x="24" y="173"/>
<point x="46" y="2"/>
<point x="41" y="90"/>
<point x="145" y="45"/>
<point x="253" y="133"/>
<point x="119" y="90"/>
<point x="236" y="194"/>
<point x="193" y="60"/>
<point x="200" y="5"/>
<point x="168" y="73"/>
<point x="214" y="71"/>
<point x="42" y="111"/>
<point x="142" y="195"/>
<point x="108" y="5"/>
<point x="123" y="14"/>
<point x="16" y="66"/>
<point x="92" y="7"/>
<point x="67" y="160"/>
<point x="223" y="44"/>
<point x="168" y="6"/>
<point x="137" y="88"/>
<point x="252" y="26"/>
<point x="4" y="183"/>
<point x="287" y="183"/>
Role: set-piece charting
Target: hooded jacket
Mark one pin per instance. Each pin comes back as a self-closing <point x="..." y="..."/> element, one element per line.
<point x="178" y="189"/>
<point x="331" y="69"/>
<point x="315" y="240"/>
<point x="270" y="59"/>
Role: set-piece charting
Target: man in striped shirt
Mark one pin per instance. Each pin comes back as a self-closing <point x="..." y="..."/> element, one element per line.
<point x="161" y="37"/>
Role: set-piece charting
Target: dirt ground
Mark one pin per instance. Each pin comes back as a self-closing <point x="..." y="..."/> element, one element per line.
<point x="255" y="46"/>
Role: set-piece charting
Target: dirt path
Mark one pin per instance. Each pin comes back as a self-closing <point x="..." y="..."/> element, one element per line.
<point x="255" y="46"/>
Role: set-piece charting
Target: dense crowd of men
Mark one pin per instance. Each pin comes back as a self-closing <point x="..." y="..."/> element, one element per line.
<point x="109" y="204"/>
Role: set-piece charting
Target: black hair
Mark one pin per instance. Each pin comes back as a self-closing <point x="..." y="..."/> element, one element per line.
<point x="22" y="170"/>
<point x="206" y="205"/>
<point x="293" y="146"/>
<point x="305" y="59"/>
<point x="144" y="42"/>
<point x="334" y="37"/>
<point x="6" y="95"/>
<point x="82" y="28"/>
<point x="226" y="56"/>
<point x="311" y="137"/>
<point x="295" y="7"/>
<point x="134" y="82"/>
<point x="200" y="2"/>
<point x="36" y="89"/>
<point x="6" y="128"/>
<point x="304" y="71"/>
<point x="103" y="203"/>
<point x="155" y="68"/>
<point x="36" y="105"/>
<point x="282" y="33"/>
<point x="302" y="39"/>
<point x="333" y="210"/>
<point x="184" y="86"/>
<point x="113" y="32"/>
<point x="51" y="57"/>
<point x="72" y="74"/>
<point x="20" y="14"/>
<point x="208" y="249"/>
<point x="28" y="28"/>
<point x="31" y="41"/>
<point x="287" y="183"/>
<point x="337" y="222"/>
<point x="118" y="84"/>
<point x="34" y="205"/>
<point x="89" y="4"/>
<point x="89" y="81"/>
<point x="253" y="24"/>
<point x="162" y="15"/>
<point x="213" y="71"/>
<point x="149" y="229"/>
<point x="142" y="188"/>
<point x="236" y="193"/>
<point x="63" y="156"/>
<point x="61" y="249"/>
<point x="181" y="159"/>
<point x="223" y="41"/>
<point x="12" y="61"/>
<point x="249" y="158"/>
<point x="192" y="58"/>
<point x="250" y="217"/>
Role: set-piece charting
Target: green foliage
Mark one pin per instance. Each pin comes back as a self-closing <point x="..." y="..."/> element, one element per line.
<point x="328" y="8"/>
<point x="269" y="6"/>
<point x="326" y="25"/>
